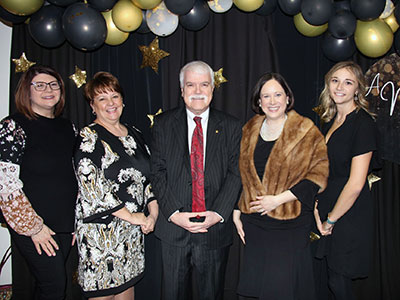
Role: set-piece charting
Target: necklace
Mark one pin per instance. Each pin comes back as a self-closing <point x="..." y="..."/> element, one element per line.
<point x="270" y="133"/>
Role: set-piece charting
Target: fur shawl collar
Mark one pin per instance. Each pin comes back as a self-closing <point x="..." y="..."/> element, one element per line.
<point x="299" y="153"/>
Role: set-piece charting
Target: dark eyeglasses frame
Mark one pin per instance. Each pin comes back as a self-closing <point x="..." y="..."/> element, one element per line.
<point x="46" y="84"/>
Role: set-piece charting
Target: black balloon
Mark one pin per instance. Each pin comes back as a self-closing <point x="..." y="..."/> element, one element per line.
<point x="197" y="17"/>
<point x="143" y="28"/>
<point x="45" y="26"/>
<point x="338" y="49"/>
<point x="366" y="10"/>
<point x="267" y="8"/>
<point x="179" y="7"/>
<point x="102" y="5"/>
<point x="341" y="5"/>
<point x="84" y="27"/>
<point x="397" y="42"/>
<point x="316" y="12"/>
<point x="290" y="7"/>
<point x="342" y="24"/>
<point x="5" y="15"/>
<point x="62" y="2"/>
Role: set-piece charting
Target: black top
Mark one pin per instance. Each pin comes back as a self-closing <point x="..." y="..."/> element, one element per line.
<point x="43" y="148"/>
<point x="348" y="246"/>
<point x="305" y="190"/>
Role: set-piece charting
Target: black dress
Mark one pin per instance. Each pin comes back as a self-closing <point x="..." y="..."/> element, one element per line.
<point x="112" y="173"/>
<point x="348" y="248"/>
<point x="277" y="261"/>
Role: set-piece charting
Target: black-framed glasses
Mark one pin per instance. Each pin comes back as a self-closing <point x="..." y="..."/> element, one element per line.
<point x="41" y="86"/>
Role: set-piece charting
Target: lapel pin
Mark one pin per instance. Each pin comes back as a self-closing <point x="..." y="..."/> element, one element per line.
<point x="217" y="131"/>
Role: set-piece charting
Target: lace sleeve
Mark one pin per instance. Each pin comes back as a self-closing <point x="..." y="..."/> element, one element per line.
<point x="15" y="206"/>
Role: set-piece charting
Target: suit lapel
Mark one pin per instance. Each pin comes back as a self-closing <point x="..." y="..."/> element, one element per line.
<point x="214" y="130"/>
<point x="180" y="143"/>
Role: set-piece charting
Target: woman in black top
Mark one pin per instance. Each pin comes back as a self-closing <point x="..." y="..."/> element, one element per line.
<point x="345" y="206"/>
<point x="37" y="184"/>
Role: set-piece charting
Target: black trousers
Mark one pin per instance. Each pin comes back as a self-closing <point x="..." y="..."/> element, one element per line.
<point x="206" y="265"/>
<point x="49" y="271"/>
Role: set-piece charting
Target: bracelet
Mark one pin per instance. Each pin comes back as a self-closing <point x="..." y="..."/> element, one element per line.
<point x="329" y="221"/>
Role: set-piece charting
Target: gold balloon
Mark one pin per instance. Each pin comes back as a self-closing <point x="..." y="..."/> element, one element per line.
<point x="22" y="7"/>
<point x="248" y="5"/>
<point x="307" y="29"/>
<point x="392" y="22"/>
<point x="126" y="16"/>
<point x="146" y="4"/>
<point x="373" y="38"/>
<point x="114" y="35"/>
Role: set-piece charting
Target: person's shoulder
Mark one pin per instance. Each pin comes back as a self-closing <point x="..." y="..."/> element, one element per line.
<point x="224" y="116"/>
<point x="362" y="116"/>
<point x="168" y="114"/>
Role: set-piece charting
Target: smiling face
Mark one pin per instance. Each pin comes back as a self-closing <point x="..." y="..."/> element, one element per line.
<point x="273" y="100"/>
<point x="197" y="91"/>
<point x="343" y="85"/>
<point x="107" y="106"/>
<point x="43" y="102"/>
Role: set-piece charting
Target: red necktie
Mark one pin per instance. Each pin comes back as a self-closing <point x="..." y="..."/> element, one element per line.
<point x="196" y="159"/>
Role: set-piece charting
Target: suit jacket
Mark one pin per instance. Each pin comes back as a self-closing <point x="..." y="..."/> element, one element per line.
<point x="172" y="180"/>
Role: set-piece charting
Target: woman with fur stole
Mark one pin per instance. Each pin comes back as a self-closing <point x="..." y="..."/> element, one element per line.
<point x="283" y="164"/>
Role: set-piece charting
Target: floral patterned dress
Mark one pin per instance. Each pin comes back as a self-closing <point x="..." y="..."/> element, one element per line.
<point x="112" y="173"/>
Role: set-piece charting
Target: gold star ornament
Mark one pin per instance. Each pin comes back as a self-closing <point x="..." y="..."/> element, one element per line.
<point x="152" y="54"/>
<point x="22" y="64"/>
<point x="219" y="78"/>
<point x="79" y="77"/>
<point x="372" y="178"/>
<point x="151" y="117"/>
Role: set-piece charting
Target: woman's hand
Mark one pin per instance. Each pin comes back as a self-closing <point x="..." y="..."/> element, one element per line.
<point x="239" y="225"/>
<point x="43" y="240"/>
<point x="138" y="219"/>
<point x="264" y="204"/>
<point x="325" y="228"/>
<point x="149" y="224"/>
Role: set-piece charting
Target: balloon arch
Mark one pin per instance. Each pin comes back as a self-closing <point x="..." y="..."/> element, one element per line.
<point x="346" y="25"/>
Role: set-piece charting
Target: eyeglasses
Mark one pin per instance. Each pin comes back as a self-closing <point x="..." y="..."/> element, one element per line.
<point x="41" y="86"/>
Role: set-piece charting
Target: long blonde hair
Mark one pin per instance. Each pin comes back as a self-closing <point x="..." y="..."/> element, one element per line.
<point x="327" y="107"/>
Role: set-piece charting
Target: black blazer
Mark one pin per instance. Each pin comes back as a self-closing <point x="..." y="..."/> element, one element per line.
<point x="172" y="180"/>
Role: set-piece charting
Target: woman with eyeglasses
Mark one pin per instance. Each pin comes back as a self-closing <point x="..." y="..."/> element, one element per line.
<point x="38" y="188"/>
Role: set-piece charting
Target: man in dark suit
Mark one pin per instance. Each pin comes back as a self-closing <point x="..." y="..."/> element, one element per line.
<point x="196" y="180"/>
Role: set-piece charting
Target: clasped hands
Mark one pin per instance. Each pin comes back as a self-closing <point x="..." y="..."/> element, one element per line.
<point x="146" y="223"/>
<point x="324" y="227"/>
<point x="182" y="219"/>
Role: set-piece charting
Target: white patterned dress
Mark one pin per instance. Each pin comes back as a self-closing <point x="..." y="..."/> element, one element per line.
<point x="112" y="172"/>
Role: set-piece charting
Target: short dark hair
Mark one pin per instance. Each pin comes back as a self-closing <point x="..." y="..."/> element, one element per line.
<point x="255" y="99"/>
<point x="23" y="91"/>
<point x="101" y="82"/>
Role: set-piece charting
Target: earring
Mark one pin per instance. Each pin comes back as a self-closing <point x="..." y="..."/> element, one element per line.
<point x="259" y="103"/>
<point x="356" y="97"/>
<point x="287" y="102"/>
<point x="123" y="104"/>
<point x="93" y="112"/>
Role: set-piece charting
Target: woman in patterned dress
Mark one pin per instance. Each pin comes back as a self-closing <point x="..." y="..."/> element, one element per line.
<point x="112" y="168"/>
<point x="37" y="182"/>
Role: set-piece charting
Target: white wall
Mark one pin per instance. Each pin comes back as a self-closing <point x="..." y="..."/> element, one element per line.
<point x="5" y="59"/>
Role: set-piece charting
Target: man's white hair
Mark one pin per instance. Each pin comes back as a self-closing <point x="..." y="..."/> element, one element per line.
<point x="197" y="66"/>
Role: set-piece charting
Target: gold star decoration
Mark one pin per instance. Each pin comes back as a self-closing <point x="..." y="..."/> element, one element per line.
<point x="151" y="117"/>
<point x="22" y="64"/>
<point x="372" y="178"/>
<point x="152" y="54"/>
<point x="79" y="77"/>
<point x="219" y="78"/>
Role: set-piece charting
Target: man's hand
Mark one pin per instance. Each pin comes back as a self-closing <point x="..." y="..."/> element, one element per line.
<point x="182" y="219"/>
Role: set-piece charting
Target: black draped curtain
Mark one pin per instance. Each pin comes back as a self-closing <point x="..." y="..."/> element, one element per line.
<point x="246" y="46"/>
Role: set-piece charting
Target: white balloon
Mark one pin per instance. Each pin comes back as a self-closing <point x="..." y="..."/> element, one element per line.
<point x="220" y="6"/>
<point x="161" y="21"/>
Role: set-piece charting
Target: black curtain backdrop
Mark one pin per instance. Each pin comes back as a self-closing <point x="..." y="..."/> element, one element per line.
<point x="246" y="46"/>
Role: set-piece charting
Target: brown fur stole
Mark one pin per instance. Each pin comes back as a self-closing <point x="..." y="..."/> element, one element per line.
<point x="299" y="153"/>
